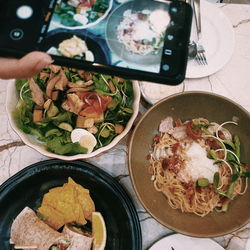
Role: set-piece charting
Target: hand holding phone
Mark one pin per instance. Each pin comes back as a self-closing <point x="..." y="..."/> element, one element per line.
<point x="141" y="39"/>
<point x="27" y="66"/>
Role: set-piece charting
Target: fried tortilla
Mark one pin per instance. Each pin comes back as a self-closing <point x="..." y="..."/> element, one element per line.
<point x="66" y="204"/>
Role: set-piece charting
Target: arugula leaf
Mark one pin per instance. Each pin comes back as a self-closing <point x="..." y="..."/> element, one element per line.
<point x="245" y="174"/>
<point x="237" y="145"/>
<point x="229" y="143"/>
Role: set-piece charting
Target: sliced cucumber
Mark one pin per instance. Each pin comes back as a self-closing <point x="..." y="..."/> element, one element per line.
<point x="53" y="131"/>
<point x="105" y="133"/>
<point x="53" y="110"/>
<point x="65" y="126"/>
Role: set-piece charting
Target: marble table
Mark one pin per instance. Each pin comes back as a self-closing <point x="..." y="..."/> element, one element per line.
<point x="232" y="81"/>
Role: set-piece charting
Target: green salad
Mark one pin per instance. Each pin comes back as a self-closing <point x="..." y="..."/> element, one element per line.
<point x="58" y="100"/>
<point x="77" y="13"/>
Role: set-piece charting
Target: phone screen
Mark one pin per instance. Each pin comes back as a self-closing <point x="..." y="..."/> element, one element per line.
<point x="144" y="39"/>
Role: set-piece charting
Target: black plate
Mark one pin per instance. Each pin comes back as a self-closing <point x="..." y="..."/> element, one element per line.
<point x="27" y="187"/>
<point x="94" y="43"/>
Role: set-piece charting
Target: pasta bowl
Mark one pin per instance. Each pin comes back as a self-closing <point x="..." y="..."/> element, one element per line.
<point x="32" y="141"/>
<point x="186" y="106"/>
<point x="121" y="48"/>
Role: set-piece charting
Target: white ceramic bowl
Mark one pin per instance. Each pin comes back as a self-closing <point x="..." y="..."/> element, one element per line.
<point x="32" y="142"/>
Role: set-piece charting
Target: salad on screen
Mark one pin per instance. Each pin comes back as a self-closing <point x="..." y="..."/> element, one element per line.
<point x="73" y="13"/>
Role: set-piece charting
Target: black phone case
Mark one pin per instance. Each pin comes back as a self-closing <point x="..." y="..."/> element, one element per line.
<point x="18" y="36"/>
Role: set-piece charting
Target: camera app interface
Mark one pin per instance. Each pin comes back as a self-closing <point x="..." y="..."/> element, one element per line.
<point x="126" y="34"/>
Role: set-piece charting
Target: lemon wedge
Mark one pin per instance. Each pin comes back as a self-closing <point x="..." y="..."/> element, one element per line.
<point x="99" y="231"/>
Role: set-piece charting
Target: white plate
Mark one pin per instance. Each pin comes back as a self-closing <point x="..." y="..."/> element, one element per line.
<point x="182" y="242"/>
<point x="218" y="40"/>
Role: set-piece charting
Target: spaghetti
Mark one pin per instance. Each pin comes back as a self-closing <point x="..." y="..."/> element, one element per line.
<point x="138" y="32"/>
<point x="196" y="165"/>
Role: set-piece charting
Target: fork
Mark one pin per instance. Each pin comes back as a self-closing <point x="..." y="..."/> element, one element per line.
<point x="200" y="57"/>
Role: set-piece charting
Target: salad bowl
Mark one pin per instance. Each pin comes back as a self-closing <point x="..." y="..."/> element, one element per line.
<point x="116" y="31"/>
<point x="32" y="141"/>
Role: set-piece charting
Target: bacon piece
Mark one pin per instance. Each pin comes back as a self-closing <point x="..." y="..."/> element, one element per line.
<point x="173" y="164"/>
<point x="156" y="138"/>
<point x="220" y="154"/>
<point x="175" y="147"/>
<point x="221" y="135"/>
<point x="192" y="131"/>
<point x="178" y="122"/>
<point x="212" y="143"/>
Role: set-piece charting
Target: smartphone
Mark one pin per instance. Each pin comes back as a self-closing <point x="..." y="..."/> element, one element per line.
<point x="141" y="39"/>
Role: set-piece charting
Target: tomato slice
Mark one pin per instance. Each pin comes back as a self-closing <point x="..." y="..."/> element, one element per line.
<point x="106" y="100"/>
<point x="86" y="3"/>
<point x="82" y="94"/>
<point x="97" y="106"/>
<point x="87" y="110"/>
<point x="94" y="103"/>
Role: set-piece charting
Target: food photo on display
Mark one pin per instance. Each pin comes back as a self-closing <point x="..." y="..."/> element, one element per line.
<point x="117" y="143"/>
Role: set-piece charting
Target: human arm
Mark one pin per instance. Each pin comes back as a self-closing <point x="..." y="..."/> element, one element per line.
<point x="27" y="66"/>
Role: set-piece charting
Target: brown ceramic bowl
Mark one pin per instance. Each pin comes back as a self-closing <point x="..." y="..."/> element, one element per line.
<point x="186" y="106"/>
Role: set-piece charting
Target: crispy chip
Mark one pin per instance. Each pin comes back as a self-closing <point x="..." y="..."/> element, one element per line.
<point x="69" y="203"/>
<point x="79" y="214"/>
<point x="52" y="217"/>
<point x="84" y="199"/>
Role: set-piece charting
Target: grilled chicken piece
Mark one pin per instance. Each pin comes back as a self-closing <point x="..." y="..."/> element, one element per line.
<point x="36" y="92"/>
<point x="51" y="85"/>
<point x="54" y="68"/>
<point x="58" y="82"/>
<point x="119" y="79"/>
<point x="62" y="83"/>
<point x="85" y="74"/>
<point x="73" y="103"/>
<point x="44" y="75"/>
<point x="80" y="84"/>
<point x="37" y="115"/>
<point x="93" y="129"/>
<point x="74" y="90"/>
